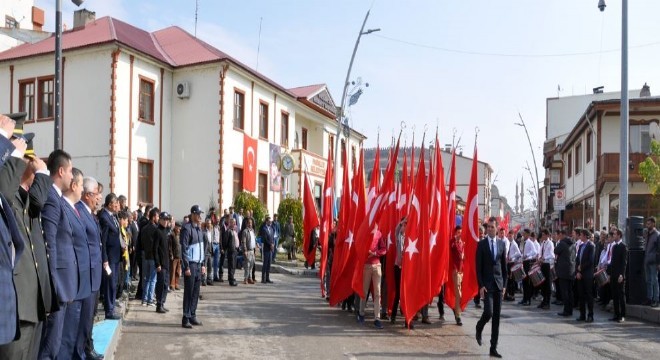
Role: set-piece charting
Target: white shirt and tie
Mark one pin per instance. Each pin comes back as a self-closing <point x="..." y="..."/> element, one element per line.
<point x="548" y="252"/>
<point x="530" y="252"/>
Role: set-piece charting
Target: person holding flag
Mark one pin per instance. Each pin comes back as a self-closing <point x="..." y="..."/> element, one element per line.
<point x="372" y="275"/>
<point x="457" y="257"/>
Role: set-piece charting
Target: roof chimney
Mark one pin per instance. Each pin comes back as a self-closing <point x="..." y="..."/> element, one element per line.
<point x="645" y="92"/>
<point x="83" y="17"/>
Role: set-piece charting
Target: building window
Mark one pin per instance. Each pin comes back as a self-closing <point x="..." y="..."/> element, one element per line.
<point x="570" y="164"/>
<point x="343" y="152"/>
<point x="640" y="139"/>
<point x="146" y="111"/>
<point x="46" y="107"/>
<point x="239" y="110"/>
<point x="590" y="145"/>
<point x="26" y="98"/>
<point x="263" y="188"/>
<point x="10" y="22"/>
<point x="304" y="138"/>
<point x="353" y="159"/>
<point x="318" y="191"/>
<point x="578" y="158"/>
<point x="284" y="137"/>
<point x="331" y="145"/>
<point x="145" y="181"/>
<point x="263" y="120"/>
<point x="238" y="181"/>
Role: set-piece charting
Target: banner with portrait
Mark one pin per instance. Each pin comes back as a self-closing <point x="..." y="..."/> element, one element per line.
<point x="274" y="169"/>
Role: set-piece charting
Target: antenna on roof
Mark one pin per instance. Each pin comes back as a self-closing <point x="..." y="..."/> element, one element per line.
<point x="261" y="19"/>
<point x="196" y="11"/>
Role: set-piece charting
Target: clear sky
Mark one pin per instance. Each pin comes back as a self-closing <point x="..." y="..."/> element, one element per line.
<point x="456" y="64"/>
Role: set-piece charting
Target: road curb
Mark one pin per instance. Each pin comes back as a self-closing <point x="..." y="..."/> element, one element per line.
<point x="279" y="269"/>
<point x="106" y="333"/>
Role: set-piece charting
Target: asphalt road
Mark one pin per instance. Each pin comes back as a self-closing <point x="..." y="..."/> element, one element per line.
<point x="289" y="320"/>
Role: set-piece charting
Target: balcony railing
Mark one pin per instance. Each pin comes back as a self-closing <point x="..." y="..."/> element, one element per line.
<point x="609" y="168"/>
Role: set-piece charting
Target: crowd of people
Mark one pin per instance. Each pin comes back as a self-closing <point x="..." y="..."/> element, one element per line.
<point x="579" y="268"/>
<point x="68" y="247"/>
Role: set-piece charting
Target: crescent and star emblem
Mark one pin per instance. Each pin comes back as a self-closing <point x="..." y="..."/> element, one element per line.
<point x="250" y="150"/>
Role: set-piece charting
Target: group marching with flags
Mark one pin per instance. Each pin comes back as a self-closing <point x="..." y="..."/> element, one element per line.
<point x="398" y="232"/>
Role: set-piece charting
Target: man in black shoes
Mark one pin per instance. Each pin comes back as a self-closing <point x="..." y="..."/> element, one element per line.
<point x="565" y="268"/>
<point x="192" y="263"/>
<point x="491" y="270"/>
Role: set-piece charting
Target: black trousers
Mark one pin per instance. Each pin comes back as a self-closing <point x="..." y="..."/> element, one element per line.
<point x="586" y="295"/>
<point x="191" y="286"/>
<point x="162" y="284"/>
<point x="492" y="309"/>
<point x="566" y="288"/>
<point x="546" y="287"/>
<point x="231" y="265"/>
<point x="223" y="255"/>
<point x="528" y="288"/>
<point x="618" y="297"/>
<point x="397" y="291"/>
<point x="441" y="301"/>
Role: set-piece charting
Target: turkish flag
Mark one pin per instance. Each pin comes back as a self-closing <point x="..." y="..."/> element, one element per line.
<point x="340" y="284"/>
<point x="415" y="277"/>
<point x="310" y="220"/>
<point x="439" y="241"/>
<point x="326" y="220"/>
<point x="249" y="163"/>
<point x="471" y="237"/>
<point x="374" y="184"/>
<point x="403" y="190"/>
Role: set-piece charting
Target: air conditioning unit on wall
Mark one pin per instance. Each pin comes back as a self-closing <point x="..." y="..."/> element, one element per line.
<point x="183" y="90"/>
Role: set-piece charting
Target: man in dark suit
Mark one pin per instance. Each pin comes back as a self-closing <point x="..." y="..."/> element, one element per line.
<point x="61" y="254"/>
<point x="162" y="258"/>
<point x="12" y="244"/>
<point x="267" y="235"/>
<point x="81" y="248"/>
<point x="617" y="271"/>
<point x="565" y="268"/>
<point x="110" y="253"/>
<point x="491" y="270"/>
<point x="585" y="276"/>
<point x="135" y="233"/>
<point x="85" y="207"/>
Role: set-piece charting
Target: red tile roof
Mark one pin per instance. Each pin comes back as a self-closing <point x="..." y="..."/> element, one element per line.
<point x="306" y="91"/>
<point x="172" y="46"/>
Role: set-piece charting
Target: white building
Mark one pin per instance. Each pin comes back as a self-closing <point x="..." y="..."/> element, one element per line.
<point x="161" y="117"/>
<point x="584" y="161"/>
<point x="22" y="22"/>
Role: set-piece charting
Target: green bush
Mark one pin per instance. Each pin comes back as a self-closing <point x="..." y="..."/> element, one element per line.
<point x="292" y="207"/>
<point x="247" y="201"/>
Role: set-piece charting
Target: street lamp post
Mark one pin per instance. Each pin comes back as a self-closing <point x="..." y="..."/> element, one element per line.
<point x="58" y="71"/>
<point x="624" y="151"/>
<point x="536" y="170"/>
<point x="340" y="113"/>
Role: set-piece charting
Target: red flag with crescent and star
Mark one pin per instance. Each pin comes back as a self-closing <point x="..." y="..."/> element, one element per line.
<point x="415" y="277"/>
<point x="310" y="220"/>
<point x="471" y="237"/>
<point x="340" y="283"/>
<point x="326" y="221"/>
<point x="249" y="163"/>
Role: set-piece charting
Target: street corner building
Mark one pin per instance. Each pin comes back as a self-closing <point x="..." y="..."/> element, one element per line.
<point x="166" y="118"/>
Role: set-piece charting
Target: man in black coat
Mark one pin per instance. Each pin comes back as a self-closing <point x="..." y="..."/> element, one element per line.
<point x="162" y="258"/>
<point x="267" y="235"/>
<point x="565" y="269"/>
<point x="617" y="271"/>
<point x="585" y="276"/>
<point x="491" y="277"/>
<point x="230" y="246"/>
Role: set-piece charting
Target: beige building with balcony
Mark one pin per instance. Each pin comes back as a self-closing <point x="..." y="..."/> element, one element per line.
<point x="584" y="163"/>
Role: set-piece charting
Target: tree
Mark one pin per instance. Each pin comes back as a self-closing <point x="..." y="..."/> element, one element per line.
<point x="292" y="207"/>
<point x="649" y="169"/>
<point x="247" y="201"/>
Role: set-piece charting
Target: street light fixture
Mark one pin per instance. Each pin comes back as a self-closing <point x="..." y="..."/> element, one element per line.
<point x="624" y="150"/>
<point x="531" y="148"/>
<point x="340" y="112"/>
<point x="58" y="71"/>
